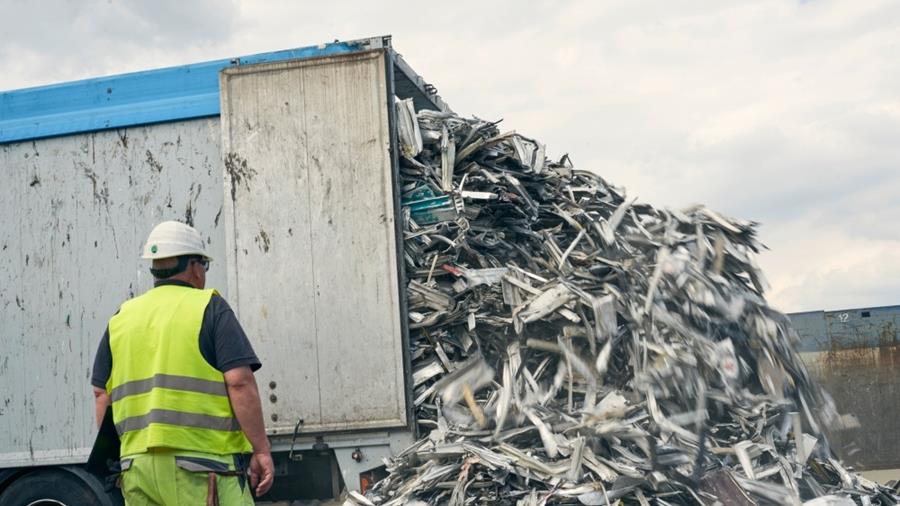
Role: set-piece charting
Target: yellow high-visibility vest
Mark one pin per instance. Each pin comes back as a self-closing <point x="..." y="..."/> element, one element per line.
<point x="163" y="392"/>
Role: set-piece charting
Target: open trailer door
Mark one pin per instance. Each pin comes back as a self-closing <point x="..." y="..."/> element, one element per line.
<point x="311" y="239"/>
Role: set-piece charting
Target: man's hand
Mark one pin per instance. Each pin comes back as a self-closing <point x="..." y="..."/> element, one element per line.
<point x="262" y="472"/>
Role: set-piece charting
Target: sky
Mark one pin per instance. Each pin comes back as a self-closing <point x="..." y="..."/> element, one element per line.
<point x="785" y="113"/>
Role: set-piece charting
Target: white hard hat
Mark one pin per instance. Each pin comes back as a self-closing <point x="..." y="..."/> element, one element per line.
<point x="172" y="239"/>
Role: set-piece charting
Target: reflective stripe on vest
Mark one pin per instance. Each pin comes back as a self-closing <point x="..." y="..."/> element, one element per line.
<point x="168" y="381"/>
<point x="177" y="418"/>
<point x="163" y="392"/>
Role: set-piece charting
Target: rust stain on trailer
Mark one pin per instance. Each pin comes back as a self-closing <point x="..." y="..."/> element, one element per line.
<point x="263" y="240"/>
<point x="189" y="214"/>
<point x="193" y="197"/>
<point x="100" y="190"/>
<point x="238" y="172"/>
<point x="153" y="163"/>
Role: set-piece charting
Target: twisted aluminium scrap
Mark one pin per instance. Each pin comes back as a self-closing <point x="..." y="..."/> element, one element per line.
<point x="573" y="346"/>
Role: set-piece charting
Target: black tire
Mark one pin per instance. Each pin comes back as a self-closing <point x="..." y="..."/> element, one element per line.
<point x="48" y="487"/>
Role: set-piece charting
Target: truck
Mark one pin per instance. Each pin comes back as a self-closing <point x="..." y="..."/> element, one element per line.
<point x="287" y="163"/>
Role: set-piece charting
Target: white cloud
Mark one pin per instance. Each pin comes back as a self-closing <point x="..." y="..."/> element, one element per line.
<point x="783" y="112"/>
<point x="46" y="42"/>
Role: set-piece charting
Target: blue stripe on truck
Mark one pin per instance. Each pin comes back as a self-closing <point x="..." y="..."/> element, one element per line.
<point x="138" y="98"/>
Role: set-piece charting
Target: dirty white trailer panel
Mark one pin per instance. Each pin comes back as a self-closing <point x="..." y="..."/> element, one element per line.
<point x="311" y="238"/>
<point x="76" y="210"/>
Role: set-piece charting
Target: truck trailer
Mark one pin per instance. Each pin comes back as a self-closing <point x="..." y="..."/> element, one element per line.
<point x="287" y="163"/>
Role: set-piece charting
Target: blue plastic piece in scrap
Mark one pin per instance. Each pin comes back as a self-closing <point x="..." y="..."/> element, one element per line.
<point x="138" y="98"/>
<point x="426" y="207"/>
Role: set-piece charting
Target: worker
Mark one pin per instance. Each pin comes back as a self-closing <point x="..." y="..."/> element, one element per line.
<point x="178" y="369"/>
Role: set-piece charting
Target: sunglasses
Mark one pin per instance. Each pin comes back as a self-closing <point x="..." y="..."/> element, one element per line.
<point x="202" y="261"/>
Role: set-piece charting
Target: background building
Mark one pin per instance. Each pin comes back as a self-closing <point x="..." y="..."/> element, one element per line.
<point x="855" y="354"/>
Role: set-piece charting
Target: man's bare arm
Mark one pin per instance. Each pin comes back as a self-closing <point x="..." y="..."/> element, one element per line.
<point x="101" y="402"/>
<point x="244" y="397"/>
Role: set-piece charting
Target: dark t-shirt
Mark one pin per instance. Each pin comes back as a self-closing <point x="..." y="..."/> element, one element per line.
<point x="223" y="342"/>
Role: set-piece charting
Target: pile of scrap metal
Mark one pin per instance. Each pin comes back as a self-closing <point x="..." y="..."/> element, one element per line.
<point x="570" y="345"/>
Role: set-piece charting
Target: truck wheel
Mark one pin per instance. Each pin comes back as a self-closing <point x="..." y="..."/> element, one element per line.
<point x="48" y="487"/>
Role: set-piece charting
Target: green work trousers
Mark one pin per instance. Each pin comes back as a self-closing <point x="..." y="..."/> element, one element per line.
<point x="164" y="477"/>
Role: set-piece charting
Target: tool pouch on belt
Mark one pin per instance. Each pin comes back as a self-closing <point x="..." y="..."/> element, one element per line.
<point x="213" y="469"/>
<point x="123" y="465"/>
